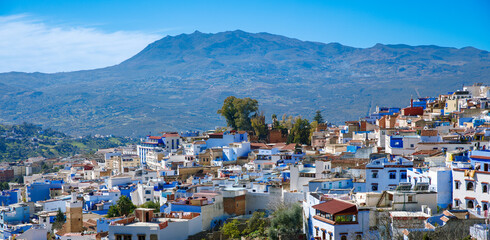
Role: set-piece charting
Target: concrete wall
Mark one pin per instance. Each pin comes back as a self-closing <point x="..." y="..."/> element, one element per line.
<point x="54" y="206"/>
<point x="209" y="212"/>
<point x="262" y="201"/>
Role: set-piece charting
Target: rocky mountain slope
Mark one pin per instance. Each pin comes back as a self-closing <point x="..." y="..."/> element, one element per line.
<point x="179" y="82"/>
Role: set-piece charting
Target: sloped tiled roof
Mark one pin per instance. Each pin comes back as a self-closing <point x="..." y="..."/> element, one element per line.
<point x="428" y="133"/>
<point x="335" y="206"/>
<point x="171" y="135"/>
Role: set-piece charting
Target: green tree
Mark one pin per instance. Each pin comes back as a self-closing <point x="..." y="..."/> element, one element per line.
<point x="318" y="117"/>
<point x="238" y="111"/>
<point x="300" y="132"/>
<point x="275" y="122"/>
<point x="113" y="211"/>
<point x="59" y="220"/>
<point x="313" y="127"/>
<point x="286" y="121"/>
<point x="287" y="223"/>
<point x="4" y="186"/>
<point x="150" y="204"/>
<point x="123" y="207"/>
<point x="259" y="126"/>
<point x="230" y="229"/>
<point x="256" y="226"/>
<point x="229" y="111"/>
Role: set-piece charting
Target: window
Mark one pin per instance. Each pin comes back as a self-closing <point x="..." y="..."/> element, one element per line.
<point x="147" y="192"/>
<point x="343" y="237"/>
<point x="456" y="184"/>
<point x="410" y="198"/>
<point x="469" y="204"/>
<point x="484" y="188"/>
<point x="392" y="175"/>
<point x="141" y="237"/>
<point x="456" y="203"/>
<point x="374" y="187"/>
<point x="345" y="218"/>
<point x="403" y="175"/>
<point x="375" y="174"/>
<point x="470" y="186"/>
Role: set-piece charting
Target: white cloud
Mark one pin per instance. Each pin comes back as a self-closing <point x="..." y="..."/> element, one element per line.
<point x="28" y="45"/>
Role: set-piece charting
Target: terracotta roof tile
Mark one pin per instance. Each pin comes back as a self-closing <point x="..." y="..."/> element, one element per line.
<point x="171" y="135"/>
<point x="335" y="206"/>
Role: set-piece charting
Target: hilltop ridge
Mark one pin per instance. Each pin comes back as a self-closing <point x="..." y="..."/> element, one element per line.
<point x="180" y="81"/>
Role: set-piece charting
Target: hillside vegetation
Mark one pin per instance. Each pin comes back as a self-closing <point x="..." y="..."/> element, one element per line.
<point x="19" y="142"/>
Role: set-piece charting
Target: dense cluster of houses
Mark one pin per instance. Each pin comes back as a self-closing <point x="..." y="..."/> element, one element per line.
<point x="397" y="173"/>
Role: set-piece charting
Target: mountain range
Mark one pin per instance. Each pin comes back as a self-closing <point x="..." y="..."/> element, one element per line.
<point x="179" y="82"/>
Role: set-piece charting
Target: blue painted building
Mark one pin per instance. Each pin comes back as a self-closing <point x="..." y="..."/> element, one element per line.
<point x="184" y="208"/>
<point x="10" y="231"/>
<point x="8" y="197"/>
<point x="14" y="214"/>
<point x="39" y="191"/>
<point x="331" y="185"/>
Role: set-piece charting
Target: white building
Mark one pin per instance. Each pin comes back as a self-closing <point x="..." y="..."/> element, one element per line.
<point x="53" y="205"/>
<point x="385" y="174"/>
<point x="325" y="218"/>
<point x="143" y="193"/>
<point x="439" y="180"/>
<point x="300" y="176"/>
<point x="146" y="225"/>
<point x="471" y="185"/>
<point x="401" y="145"/>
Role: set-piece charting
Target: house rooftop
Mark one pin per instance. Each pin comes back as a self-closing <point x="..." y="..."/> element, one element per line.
<point x="404" y="215"/>
<point x="329" y="179"/>
<point x="335" y="206"/>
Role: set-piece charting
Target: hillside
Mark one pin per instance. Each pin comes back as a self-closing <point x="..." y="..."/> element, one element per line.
<point x="20" y="142"/>
<point x="178" y="82"/>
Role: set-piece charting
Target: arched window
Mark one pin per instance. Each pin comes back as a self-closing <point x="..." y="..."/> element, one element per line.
<point x="470" y="186"/>
<point x="485" y="188"/>
<point x="469" y="204"/>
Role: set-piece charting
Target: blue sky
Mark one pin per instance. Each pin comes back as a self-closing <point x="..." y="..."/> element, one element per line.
<point x="51" y="36"/>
